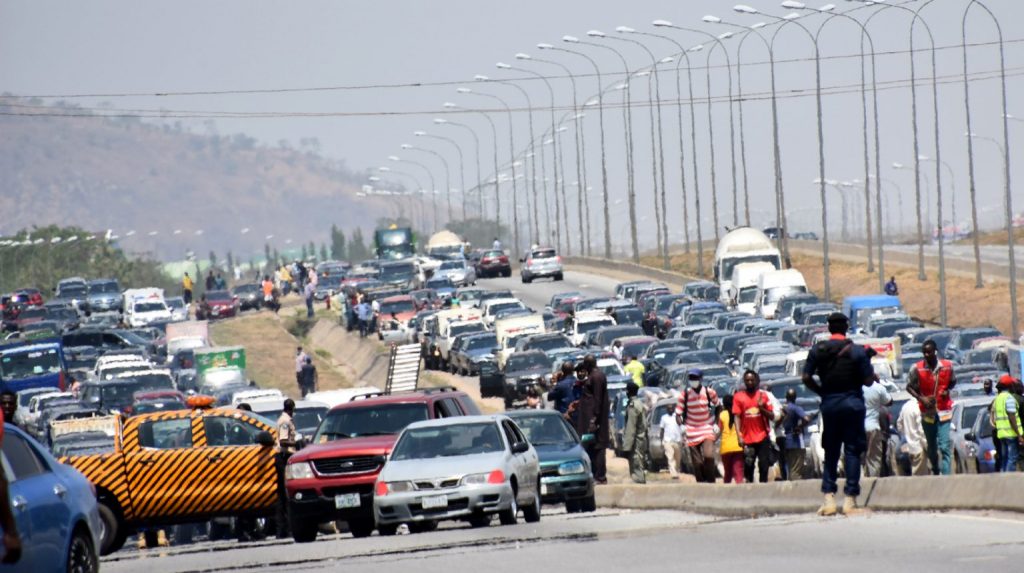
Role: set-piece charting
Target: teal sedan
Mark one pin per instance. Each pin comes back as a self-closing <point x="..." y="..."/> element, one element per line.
<point x="565" y="471"/>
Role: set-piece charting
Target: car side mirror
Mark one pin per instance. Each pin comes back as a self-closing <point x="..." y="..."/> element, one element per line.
<point x="588" y="439"/>
<point x="520" y="447"/>
<point x="970" y="437"/>
<point x="265" y="439"/>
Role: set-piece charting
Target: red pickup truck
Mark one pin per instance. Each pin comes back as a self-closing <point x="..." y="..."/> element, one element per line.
<point x="333" y="478"/>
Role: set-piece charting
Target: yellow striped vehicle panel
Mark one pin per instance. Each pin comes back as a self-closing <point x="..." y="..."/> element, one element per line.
<point x="155" y="484"/>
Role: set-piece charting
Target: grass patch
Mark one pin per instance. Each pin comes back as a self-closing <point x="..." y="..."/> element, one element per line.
<point x="323" y="353"/>
<point x="270" y="352"/>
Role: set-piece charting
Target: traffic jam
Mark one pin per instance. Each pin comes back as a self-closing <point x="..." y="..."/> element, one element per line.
<point x="119" y="398"/>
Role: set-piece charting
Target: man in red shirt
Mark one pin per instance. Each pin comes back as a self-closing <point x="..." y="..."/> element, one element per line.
<point x="752" y="410"/>
<point x="929" y="382"/>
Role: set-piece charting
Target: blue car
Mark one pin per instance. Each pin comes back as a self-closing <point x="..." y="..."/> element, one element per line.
<point x="979" y="442"/>
<point x="54" y="506"/>
<point x="565" y="472"/>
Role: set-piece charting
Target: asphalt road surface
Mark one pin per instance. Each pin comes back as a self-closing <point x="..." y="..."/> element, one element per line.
<point x="537" y="294"/>
<point x="629" y="541"/>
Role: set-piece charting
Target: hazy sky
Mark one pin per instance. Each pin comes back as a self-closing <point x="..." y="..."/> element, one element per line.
<point x="51" y="48"/>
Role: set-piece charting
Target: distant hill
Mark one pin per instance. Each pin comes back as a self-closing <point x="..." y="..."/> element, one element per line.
<point x="123" y="173"/>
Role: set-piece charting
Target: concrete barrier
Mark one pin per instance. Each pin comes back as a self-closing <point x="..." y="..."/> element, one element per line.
<point x="631" y="268"/>
<point x="366" y="359"/>
<point x="964" y="492"/>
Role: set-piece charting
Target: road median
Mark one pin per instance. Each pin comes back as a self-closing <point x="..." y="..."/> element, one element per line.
<point x="998" y="492"/>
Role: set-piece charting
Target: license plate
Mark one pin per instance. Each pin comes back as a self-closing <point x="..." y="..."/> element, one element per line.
<point x="545" y="489"/>
<point x="435" y="502"/>
<point x="346" y="500"/>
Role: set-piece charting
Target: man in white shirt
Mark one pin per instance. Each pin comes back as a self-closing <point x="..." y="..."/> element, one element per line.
<point x="876" y="398"/>
<point x="671" y="441"/>
<point x="909" y="425"/>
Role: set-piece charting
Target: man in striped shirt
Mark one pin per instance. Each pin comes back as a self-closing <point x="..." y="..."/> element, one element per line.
<point x="697" y="411"/>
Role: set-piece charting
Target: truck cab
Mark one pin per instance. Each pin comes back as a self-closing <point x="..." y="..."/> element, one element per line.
<point x="743" y="245"/>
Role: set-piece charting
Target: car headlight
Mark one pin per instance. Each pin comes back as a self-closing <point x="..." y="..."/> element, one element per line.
<point x="298" y="470"/>
<point x="474" y="479"/>
<point x="400" y="486"/>
<point x="571" y="468"/>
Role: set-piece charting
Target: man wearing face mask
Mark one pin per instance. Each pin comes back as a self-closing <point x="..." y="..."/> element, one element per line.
<point x="697" y="411"/>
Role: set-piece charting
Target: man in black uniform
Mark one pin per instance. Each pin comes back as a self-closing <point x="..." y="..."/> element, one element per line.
<point x="843" y="369"/>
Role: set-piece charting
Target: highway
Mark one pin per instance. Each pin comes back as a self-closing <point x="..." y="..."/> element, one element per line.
<point x="623" y="540"/>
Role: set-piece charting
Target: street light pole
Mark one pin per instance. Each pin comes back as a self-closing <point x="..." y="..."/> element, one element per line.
<point x="479" y="180"/>
<point x="494" y="140"/>
<point x="447" y="173"/>
<point x="462" y="165"/>
<point x="604" y="164"/>
<point x="433" y="185"/>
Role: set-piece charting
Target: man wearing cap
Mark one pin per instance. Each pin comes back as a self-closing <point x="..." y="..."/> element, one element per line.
<point x="843" y="369"/>
<point x="1007" y="420"/>
<point x="634" y="436"/>
<point x="929" y="382"/>
<point x="697" y="412"/>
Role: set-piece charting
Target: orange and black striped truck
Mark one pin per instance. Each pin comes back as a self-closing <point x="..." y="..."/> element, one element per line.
<point x="181" y="466"/>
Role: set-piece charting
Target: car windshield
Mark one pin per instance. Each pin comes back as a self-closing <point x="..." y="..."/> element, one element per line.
<point x="34" y="313"/>
<point x="527" y="361"/>
<point x="636" y="348"/>
<point x="397" y="271"/>
<point x="377" y="420"/>
<point x="482" y="342"/>
<point x="218" y="295"/>
<point x="611" y="369"/>
<point x="303" y="417"/>
<point x="104" y="288"/>
<point x="967" y="338"/>
<point x="543" y="254"/>
<point x="175" y="303"/>
<point x="729" y="264"/>
<point x="545" y="430"/>
<point x="153" y="381"/>
<point x="73" y="291"/>
<point x="119" y="393"/>
<point x="549" y="343"/>
<point x="629" y="316"/>
<point x="248" y="288"/>
<point x="496" y="308"/>
<point x="591" y="325"/>
<point x="971" y="414"/>
<point x="470" y="295"/>
<point x="19" y="365"/>
<point x="440" y="282"/>
<point x="451" y="265"/>
<point x="492" y="254"/>
<point x="149" y="306"/>
<point x="748" y="294"/>
<point x="448" y="441"/>
<point x="397" y="307"/>
<point x="160" y="406"/>
<point x="458" y="329"/>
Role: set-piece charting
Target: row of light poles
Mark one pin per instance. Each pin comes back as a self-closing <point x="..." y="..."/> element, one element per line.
<point x="768" y="33"/>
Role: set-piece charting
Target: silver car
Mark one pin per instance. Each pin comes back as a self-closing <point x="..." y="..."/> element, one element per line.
<point x="465" y="468"/>
<point x="461" y="273"/>
<point x="541" y="262"/>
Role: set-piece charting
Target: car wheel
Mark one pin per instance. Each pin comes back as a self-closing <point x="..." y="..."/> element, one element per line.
<point x="507" y="273"/>
<point x="572" y="506"/>
<point x="304" y="531"/>
<point x="511" y="515"/>
<point x="558" y="277"/>
<point x="531" y="513"/>
<point x="361" y="527"/>
<point x="422" y="526"/>
<point x="478" y="521"/>
<point x="81" y="554"/>
<point x="388" y="530"/>
<point x="588" y="504"/>
<point x="112" y="536"/>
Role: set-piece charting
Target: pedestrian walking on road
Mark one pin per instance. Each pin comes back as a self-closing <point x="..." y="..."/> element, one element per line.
<point x="876" y="399"/>
<point x="909" y="426"/>
<point x="300" y="361"/>
<point x="929" y="382"/>
<point x="753" y="410"/>
<point x="891" y="288"/>
<point x="310" y="378"/>
<point x="843" y="369"/>
<point x="697" y="410"/>
<point x="186" y="289"/>
<point x="1007" y="421"/>
<point x="731" y="448"/>
<point x="795" y="421"/>
<point x="634" y="435"/>
<point x="636" y="369"/>
<point x="211" y="283"/>
<point x="364" y="312"/>
<point x="593" y="416"/>
<point x="671" y="441"/>
<point x="565" y="390"/>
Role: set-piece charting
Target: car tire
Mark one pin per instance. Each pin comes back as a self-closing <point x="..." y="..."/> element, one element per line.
<point x="510" y="515"/>
<point x="113" y="536"/>
<point x="152" y="538"/>
<point x="588" y="504"/>
<point x="423" y="526"/>
<point x="481" y="520"/>
<point x="572" y="506"/>
<point x="361" y="527"/>
<point x="81" y="553"/>
<point x="507" y="273"/>
<point x="531" y="513"/>
<point x="558" y="277"/>
<point x="387" y="530"/>
<point x="304" y="531"/>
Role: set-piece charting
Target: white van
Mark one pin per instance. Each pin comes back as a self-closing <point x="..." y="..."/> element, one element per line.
<point x="742" y="291"/>
<point x="588" y="321"/>
<point x="509" y="330"/>
<point x="491" y="308"/>
<point x="774" y="285"/>
<point x="143" y="306"/>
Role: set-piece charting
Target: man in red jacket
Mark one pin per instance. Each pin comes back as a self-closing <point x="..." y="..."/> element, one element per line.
<point x="930" y="381"/>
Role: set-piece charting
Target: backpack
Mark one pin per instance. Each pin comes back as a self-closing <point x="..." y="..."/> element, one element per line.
<point x="707" y="396"/>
